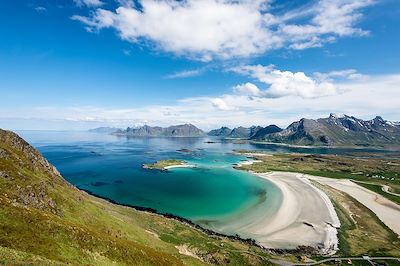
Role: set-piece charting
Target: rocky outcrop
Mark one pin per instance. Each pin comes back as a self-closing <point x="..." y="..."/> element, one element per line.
<point x="28" y="175"/>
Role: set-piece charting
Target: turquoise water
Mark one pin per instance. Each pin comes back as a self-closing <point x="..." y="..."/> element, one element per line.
<point x="111" y="167"/>
<point x="213" y="194"/>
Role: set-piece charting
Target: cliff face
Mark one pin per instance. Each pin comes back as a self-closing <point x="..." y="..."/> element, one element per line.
<point x="46" y="221"/>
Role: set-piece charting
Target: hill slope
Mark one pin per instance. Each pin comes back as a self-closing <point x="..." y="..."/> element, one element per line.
<point x="46" y="221"/>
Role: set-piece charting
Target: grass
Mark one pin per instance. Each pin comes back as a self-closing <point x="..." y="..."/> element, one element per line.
<point x="46" y="221"/>
<point x="162" y="164"/>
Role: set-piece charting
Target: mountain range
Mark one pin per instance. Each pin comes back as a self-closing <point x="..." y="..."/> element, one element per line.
<point x="186" y="130"/>
<point x="331" y="131"/>
<point x="338" y="131"/>
<point x="253" y="132"/>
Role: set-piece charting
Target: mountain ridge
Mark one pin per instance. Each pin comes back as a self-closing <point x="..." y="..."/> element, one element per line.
<point x="331" y="131"/>
<point x="184" y="130"/>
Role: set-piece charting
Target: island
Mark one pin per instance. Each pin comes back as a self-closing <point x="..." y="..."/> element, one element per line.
<point x="167" y="164"/>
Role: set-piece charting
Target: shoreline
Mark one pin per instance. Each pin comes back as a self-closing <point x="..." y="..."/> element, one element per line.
<point x="186" y="221"/>
<point x="179" y="166"/>
<point x="305" y="217"/>
<point x="298" y="250"/>
<point x="293" y="228"/>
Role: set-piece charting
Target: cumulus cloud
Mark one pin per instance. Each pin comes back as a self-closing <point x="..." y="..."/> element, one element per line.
<point x="209" y="29"/>
<point x="89" y="3"/>
<point x="220" y="104"/>
<point x="377" y="95"/>
<point x="283" y="83"/>
<point x="247" y="89"/>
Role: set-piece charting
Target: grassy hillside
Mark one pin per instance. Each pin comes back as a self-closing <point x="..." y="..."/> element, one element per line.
<point x="46" y="221"/>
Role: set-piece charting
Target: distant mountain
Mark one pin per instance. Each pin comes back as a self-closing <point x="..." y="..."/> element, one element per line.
<point x="338" y="131"/>
<point x="186" y="130"/>
<point x="331" y="131"/>
<point x="221" y="132"/>
<point x="263" y="132"/>
<point x="107" y="130"/>
<point x="241" y="132"/>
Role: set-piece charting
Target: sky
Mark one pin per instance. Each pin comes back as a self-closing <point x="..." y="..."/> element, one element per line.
<point x="80" y="64"/>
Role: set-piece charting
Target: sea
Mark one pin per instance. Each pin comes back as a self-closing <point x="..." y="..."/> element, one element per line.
<point x="212" y="194"/>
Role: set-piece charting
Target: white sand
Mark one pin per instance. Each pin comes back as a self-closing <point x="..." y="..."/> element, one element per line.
<point x="253" y="154"/>
<point x="301" y="203"/>
<point x="247" y="162"/>
<point x="387" y="211"/>
<point x="179" y="166"/>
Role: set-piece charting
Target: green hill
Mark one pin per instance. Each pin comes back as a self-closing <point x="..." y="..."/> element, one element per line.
<point x="46" y="221"/>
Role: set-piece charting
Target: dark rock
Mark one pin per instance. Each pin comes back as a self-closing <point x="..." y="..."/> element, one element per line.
<point x="4" y="174"/>
<point x="3" y="154"/>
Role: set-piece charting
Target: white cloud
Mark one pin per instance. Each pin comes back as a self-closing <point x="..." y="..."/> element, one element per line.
<point x="89" y="3"/>
<point x="220" y="104"/>
<point x="209" y="29"/>
<point x="247" y="89"/>
<point x="40" y="9"/>
<point x="185" y="74"/>
<point x="351" y="74"/>
<point x="377" y="95"/>
<point x="283" y="83"/>
<point x="332" y="19"/>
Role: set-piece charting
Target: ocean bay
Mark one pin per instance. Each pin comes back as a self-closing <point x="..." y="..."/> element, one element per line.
<point x="213" y="194"/>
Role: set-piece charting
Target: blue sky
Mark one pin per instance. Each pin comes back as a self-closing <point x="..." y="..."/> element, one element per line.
<point x="77" y="64"/>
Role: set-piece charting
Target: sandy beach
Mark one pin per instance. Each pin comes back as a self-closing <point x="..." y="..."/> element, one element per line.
<point x="306" y="216"/>
<point x="179" y="166"/>
<point x="387" y="211"/>
<point x="247" y="162"/>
